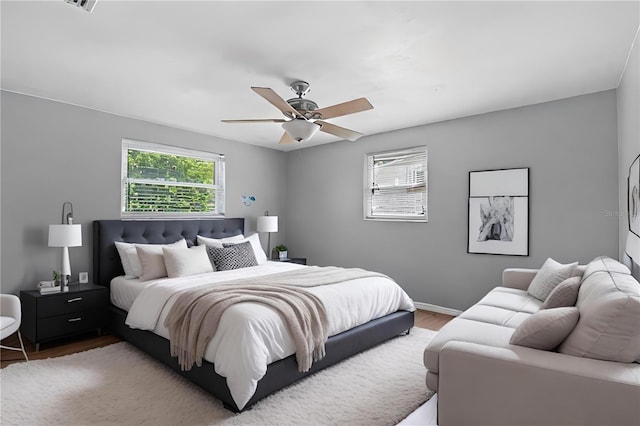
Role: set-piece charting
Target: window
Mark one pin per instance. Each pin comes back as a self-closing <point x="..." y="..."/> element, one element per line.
<point x="166" y="181"/>
<point x="396" y="185"/>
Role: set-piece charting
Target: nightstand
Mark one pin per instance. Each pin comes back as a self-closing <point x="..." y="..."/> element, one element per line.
<point x="48" y="317"/>
<point x="298" y="260"/>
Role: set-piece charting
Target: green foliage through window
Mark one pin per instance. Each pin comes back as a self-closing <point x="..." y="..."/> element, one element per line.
<point x="159" y="180"/>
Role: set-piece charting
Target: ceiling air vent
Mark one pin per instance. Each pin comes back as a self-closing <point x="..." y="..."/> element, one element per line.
<point x="87" y="5"/>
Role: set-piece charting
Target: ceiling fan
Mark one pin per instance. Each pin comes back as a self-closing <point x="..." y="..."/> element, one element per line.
<point x="304" y="118"/>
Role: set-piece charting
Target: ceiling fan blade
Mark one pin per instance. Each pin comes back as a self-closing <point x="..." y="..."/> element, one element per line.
<point x="338" y="131"/>
<point x="275" y="100"/>
<point x="286" y="139"/>
<point x="345" y="108"/>
<point x="257" y="120"/>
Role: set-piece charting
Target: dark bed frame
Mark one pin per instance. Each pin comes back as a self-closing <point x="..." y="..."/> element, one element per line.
<point x="107" y="265"/>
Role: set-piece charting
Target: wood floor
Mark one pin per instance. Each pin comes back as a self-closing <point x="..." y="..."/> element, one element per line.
<point x="431" y="320"/>
<point x="424" y="319"/>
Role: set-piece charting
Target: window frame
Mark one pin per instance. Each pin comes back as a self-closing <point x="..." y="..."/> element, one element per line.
<point x="218" y="186"/>
<point x="368" y="187"/>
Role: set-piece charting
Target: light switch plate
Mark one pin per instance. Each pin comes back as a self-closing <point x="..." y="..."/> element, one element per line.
<point x="83" y="277"/>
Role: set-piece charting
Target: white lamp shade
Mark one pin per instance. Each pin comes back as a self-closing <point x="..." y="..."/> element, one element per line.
<point x="300" y="129"/>
<point x="65" y="235"/>
<point x="267" y="224"/>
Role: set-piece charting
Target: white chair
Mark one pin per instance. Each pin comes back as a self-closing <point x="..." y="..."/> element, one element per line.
<point x="10" y="318"/>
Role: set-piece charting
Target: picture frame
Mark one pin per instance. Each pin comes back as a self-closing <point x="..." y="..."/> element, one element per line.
<point x="498" y="220"/>
<point x="633" y="196"/>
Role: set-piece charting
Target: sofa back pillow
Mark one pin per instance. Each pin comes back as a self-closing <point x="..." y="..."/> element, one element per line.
<point x="548" y="277"/>
<point x="609" y="305"/>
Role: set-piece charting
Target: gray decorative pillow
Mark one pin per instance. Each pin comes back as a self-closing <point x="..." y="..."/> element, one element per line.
<point x="565" y="294"/>
<point x="548" y="277"/>
<point x="546" y="329"/>
<point x="232" y="256"/>
<point x="579" y="271"/>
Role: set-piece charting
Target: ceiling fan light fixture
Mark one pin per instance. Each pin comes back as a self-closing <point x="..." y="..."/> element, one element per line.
<point x="300" y="129"/>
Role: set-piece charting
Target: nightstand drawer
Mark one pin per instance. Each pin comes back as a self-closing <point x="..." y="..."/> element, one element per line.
<point x="71" y="302"/>
<point x="71" y="323"/>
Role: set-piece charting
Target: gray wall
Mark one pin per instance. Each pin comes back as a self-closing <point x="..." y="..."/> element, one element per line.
<point x="628" y="94"/>
<point x="570" y="146"/>
<point x="54" y="152"/>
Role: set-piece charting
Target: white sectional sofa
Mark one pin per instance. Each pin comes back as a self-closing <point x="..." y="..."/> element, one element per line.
<point x="588" y="375"/>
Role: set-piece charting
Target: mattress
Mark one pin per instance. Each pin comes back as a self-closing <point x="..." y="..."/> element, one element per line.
<point x="124" y="290"/>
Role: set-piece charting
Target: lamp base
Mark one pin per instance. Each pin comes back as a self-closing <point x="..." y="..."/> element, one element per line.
<point x="64" y="283"/>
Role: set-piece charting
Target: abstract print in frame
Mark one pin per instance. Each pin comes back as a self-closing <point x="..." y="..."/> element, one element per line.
<point x="499" y="212"/>
<point x="633" y="196"/>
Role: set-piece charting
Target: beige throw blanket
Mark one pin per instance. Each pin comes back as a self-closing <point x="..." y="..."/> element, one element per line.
<point x="194" y="317"/>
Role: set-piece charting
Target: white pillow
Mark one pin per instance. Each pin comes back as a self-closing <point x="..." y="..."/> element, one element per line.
<point x="127" y="252"/>
<point x="182" y="262"/>
<point x="548" y="277"/>
<point x="254" y="239"/>
<point x="217" y="242"/>
<point x="130" y="259"/>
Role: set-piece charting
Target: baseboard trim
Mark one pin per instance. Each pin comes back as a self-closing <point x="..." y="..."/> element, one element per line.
<point x="436" y="308"/>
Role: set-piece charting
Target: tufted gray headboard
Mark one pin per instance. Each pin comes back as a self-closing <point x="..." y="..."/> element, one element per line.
<point x="106" y="260"/>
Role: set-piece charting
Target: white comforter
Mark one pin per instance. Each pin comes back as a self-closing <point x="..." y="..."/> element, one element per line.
<point x="250" y="336"/>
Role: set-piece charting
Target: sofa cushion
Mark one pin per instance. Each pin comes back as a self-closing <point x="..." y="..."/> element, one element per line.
<point x="546" y="329"/>
<point x="512" y="299"/>
<point x="461" y="329"/>
<point x="565" y="294"/>
<point x="432" y="380"/>
<point x="609" y="304"/>
<point x="494" y="315"/>
<point x="548" y="277"/>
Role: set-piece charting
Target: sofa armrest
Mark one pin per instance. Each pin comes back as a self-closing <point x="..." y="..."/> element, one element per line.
<point x="519" y="278"/>
<point x="481" y="384"/>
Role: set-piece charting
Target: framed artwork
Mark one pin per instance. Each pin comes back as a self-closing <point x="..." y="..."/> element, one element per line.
<point x="499" y="212"/>
<point x="633" y="196"/>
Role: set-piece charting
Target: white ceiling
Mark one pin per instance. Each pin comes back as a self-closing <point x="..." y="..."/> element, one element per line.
<point x="191" y="64"/>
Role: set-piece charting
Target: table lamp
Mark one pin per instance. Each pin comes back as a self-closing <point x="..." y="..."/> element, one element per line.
<point x="267" y="224"/>
<point x="65" y="235"/>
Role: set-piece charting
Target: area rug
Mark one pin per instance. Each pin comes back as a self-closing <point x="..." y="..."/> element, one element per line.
<point x="118" y="384"/>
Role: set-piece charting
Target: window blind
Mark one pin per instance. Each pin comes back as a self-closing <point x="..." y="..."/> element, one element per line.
<point x="166" y="181"/>
<point x="396" y="186"/>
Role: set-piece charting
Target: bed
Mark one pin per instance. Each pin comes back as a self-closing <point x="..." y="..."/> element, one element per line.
<point x="108" y="271"/>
